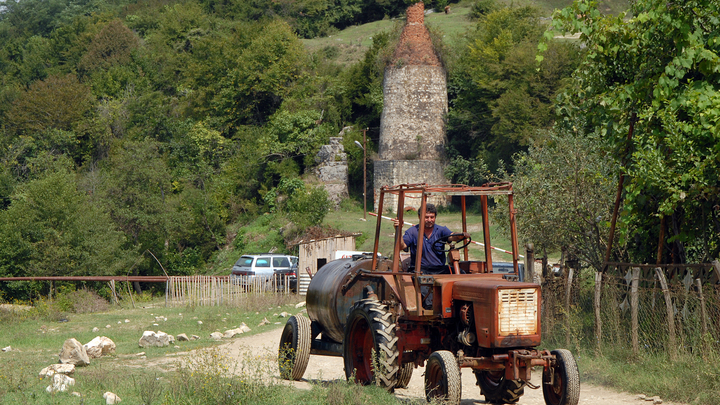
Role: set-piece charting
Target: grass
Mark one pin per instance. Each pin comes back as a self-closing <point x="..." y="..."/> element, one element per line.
<point x="349" y="45"/>
<point x="205" y="377"/>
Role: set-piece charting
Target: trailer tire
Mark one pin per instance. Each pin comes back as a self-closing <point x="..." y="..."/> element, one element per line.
<point x="370" y="330"/>
<point x="566" y="387"/>
<point x="497" y="389"/>
<point x="442" y="378"/>
<point x="406" y="372"/>
<point x="294" y="350"/>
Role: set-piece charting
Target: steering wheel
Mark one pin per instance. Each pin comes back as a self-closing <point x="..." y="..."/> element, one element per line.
<point x="438" y="245"/>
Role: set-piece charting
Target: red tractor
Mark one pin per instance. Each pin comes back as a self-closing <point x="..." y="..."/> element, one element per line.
<point x="369" y="311"/>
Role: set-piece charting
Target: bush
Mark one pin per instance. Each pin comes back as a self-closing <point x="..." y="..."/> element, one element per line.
<point x="80" y="302"/>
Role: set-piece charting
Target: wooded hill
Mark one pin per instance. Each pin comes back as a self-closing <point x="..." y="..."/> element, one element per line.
<point x="163" y="126"/>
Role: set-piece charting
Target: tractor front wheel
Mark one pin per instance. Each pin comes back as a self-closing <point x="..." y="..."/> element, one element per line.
<point x="370" y="351"/>
<point x="561" y="385"/>
<point x="442" y="378"/>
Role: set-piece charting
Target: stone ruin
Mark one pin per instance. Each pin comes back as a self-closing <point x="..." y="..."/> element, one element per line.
<point x="332" y="169"/>
<point x="412" y="125"/>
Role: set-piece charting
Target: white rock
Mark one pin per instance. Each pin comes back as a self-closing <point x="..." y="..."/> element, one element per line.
<point x="77" y="394"/>
<point x="182" y="337"/>
<point x="73" y="352"/>
<point x="61" y="382"/>
<point x="177" y="347"/>
<point x="53" y="369"/>
<point x="96" y="329"/>
<point x="7" y="349"/>
<point x="199" y="322"/>
<point x="284" y="314"/>
<point x="264" y="322"/>
<point x="152" y="339"/>
<point x="111" y="398"/>
<point x="127" y="321"/>
<point x="100" y="346"/>
<point x="232" y="332"/>
<point x="156" y="324"/>
<point x="119" y="322"/>
<point x="245" y="328"/>
<point x="216" y="336"/>
<point x="108" y="326"/>
<point x="300" y="304"/>
<point x="194" y="337"/>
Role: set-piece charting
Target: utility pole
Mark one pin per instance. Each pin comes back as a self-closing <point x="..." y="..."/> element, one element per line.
<point x="364" y="148"/>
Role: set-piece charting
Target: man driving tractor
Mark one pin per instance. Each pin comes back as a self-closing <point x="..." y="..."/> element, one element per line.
<point x="433" y="260"/>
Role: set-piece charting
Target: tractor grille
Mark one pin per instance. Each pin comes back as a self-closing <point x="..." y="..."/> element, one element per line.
<point x="517" y="311"/>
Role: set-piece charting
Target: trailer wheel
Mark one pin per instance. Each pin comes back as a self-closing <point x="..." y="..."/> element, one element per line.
<point x="442" y="378"/>
<point x="564" y="387"/>
<point x="294" y="350"/>
<point x="406" y="372"/>
<point x="370" y="348"/>
<point x="497" y="389"/>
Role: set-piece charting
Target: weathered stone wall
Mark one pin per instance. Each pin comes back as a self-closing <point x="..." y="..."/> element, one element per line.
<point x="332" y="169"/>
<point x="395" y="172"/>
<point x="412" y="125"/>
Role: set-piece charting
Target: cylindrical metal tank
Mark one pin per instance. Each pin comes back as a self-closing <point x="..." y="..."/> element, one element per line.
<point x="326" y="303"/>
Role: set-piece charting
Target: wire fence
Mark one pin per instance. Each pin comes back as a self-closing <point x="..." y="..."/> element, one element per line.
<point x="640" y="312"/>
<point x="224" y="290"/>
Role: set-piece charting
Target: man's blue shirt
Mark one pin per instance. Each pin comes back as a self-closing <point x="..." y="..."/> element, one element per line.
<point x="429" y="256"/>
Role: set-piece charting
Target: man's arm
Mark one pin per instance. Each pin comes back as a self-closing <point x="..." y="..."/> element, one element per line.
<point x="403" y="246"/>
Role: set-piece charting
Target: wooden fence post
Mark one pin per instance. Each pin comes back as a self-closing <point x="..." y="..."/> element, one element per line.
<point x="703" y="310"/>
<point x="634" y="310"/>
<point x="529" y="263"/>
<point x="568" y="290"/>
<point x="598" y="319"/>
<point x="672" y="350"/>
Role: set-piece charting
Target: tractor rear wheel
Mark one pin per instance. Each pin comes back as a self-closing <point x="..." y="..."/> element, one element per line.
<point x="370" y="349"/>
<point x="294" y="350"/>
<point x="442" y="378"/>
<point x="564" y="387"/>
<point x="497" y="389"/>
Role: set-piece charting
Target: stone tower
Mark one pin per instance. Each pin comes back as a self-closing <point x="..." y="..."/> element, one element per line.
<point x="412" y="125"/>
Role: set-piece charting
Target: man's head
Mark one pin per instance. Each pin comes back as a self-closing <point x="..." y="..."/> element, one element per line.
<point x="430" y="215"/>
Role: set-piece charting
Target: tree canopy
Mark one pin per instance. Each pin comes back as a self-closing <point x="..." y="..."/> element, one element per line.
<point x="659" y="71"/>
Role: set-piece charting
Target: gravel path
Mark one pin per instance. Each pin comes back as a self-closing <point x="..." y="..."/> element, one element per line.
<point x="324" y="368"/>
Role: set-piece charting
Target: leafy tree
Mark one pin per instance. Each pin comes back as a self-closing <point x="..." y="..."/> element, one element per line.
<point x="265" y="71"/>
<point x="52" y="229"/>
<point x="112" y="45"/>
<point x="54" y="103"/>
<point x="658" y="70"/>
<point x="564" y="186"/>
<point x="498" y="94"/>
<point x="136" y="189"/>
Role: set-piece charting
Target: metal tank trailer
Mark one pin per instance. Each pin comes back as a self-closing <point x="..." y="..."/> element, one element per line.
<point x="365" y="309"/>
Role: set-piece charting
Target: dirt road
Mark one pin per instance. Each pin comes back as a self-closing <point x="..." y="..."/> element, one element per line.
<point x="264" y="346"/>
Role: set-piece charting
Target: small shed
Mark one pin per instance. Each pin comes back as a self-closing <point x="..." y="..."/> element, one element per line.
<point x="314" y="253"/>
